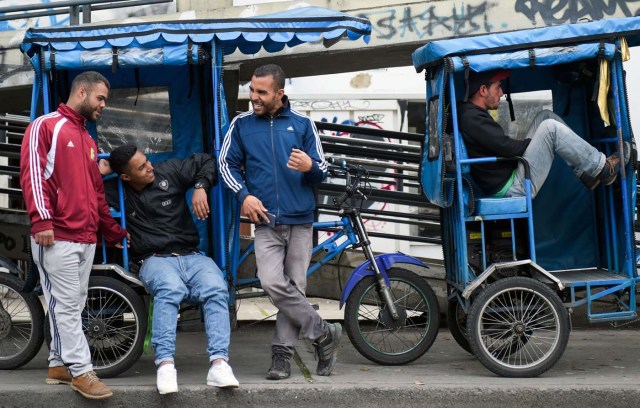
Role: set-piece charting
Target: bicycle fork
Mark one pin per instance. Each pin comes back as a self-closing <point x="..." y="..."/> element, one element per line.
<point x="385" y="292"/>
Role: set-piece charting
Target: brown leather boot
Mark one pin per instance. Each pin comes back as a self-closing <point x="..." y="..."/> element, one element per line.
<point x="58" y="375"/>
<point x="610" y="170"/>
<point x="90" y="386"/>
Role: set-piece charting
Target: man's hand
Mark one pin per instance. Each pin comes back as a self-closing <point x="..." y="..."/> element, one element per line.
<point x="252" y="207"/>
<point x="200" y="203"/>
<point x="299" y="161"/>
<point x="119" y="244"/>
<point x="45" y="238"/>
<point x="104" y="167"/>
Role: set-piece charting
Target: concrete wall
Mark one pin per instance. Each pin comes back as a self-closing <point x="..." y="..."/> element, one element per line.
<point x="420" y="21"/>
<point x="399" y="27"/>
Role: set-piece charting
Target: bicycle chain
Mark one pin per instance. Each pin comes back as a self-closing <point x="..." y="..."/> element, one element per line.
<point x="615" y="324"/>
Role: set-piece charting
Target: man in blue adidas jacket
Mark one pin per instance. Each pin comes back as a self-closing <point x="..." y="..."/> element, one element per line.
<point x="281" y="155"/>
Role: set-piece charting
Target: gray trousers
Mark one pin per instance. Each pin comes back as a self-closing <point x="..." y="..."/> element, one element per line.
<point x="64" y="274"/>
<point x="282" y="256"/>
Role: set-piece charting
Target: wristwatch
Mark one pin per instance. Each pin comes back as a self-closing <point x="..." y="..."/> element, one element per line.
<point x="199" y="184"/>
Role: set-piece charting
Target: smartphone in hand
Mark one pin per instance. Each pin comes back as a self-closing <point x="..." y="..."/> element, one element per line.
<point x="272" y="220"/>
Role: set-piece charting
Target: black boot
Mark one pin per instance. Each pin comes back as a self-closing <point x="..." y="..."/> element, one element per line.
<point x="280" y="363"/>
<point x="327" y="348"/>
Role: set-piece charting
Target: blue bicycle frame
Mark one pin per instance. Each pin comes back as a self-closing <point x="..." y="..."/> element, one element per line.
<point x="346" y="227"/>
<point x="330" y="246"/>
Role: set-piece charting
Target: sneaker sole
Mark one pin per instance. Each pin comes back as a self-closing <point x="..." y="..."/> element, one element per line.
<point x="277" y="377"/>
<point x="610" y="182"/>
<point x="53" y="381"/>
<point x="89" y="396"/>
<point x="233" y="385"/>
<point x="171" y="391"/>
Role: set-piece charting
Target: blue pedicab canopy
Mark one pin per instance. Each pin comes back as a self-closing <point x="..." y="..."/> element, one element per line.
<point x="562" y="36"/>
<point x="248" y="35"/>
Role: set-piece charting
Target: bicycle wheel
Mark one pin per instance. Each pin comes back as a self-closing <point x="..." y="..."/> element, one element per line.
<point x="21" y="328"/>
<point x="457" y="323"/>
<point x="114" y="321"/>
<point x="518" y="327"/>
<point x="374" y="332"/>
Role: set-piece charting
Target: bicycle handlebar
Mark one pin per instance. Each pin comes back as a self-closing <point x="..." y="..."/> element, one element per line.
<point x="356" y="175"/>
<point x="347" y="166"/>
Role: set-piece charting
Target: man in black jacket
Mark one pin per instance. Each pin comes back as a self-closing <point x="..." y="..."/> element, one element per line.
<point x="547" y="135"/>
<point x="164" y="239"/>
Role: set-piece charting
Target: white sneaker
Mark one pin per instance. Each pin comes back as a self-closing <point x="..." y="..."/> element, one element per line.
<point x="167" y="381"/>
<point x="221" y="375"/>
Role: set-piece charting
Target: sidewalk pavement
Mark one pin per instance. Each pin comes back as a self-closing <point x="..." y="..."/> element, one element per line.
<point x="599" y="367"/>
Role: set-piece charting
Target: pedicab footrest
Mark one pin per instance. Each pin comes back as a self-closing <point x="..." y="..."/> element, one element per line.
<point x="612" y="316"/>
<point x="495" y="206"/>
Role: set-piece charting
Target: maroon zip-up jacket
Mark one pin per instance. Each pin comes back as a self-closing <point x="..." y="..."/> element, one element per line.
<point x="60" y="180"/>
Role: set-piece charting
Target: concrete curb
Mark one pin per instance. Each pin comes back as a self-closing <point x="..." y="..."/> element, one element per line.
<point x="598" y="368"/>
<point x="296" y="397"/>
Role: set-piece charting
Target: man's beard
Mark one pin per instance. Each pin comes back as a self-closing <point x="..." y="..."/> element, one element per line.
<point x="86" y="110"/>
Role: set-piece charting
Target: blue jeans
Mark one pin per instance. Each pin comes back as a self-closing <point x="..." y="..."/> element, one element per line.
<point x="550" y="135"/>
<point x="170" y="280"/>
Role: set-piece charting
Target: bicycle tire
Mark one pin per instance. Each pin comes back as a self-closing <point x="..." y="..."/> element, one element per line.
<point x="21" y="323"/>
<point x="420" y="317"/>
<point x="518" y="327"/>
<point x="457" y="324"/>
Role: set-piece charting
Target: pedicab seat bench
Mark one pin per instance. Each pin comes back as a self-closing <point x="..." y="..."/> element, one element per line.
<point x="495" y="206"/>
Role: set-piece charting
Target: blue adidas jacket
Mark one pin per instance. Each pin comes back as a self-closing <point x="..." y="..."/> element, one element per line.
<point x="261" y="145"/>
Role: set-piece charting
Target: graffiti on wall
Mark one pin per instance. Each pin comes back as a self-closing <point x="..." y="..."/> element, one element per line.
<point x="444" y="19"/>
<point x="422" y="20"/>
<point x="426" y="21"/>
<point x="330" y="104"/>
<point x="572" y="11"/>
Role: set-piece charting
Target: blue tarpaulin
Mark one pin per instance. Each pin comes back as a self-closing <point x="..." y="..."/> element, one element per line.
<point x="176" y="42"/>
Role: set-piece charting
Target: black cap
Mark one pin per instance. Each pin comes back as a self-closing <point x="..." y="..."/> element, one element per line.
<point x="477" y="79"/>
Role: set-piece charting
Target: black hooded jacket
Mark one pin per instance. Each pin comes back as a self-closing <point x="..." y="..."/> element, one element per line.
<point x="158" y="217"/>
<point x="484" y="137"/>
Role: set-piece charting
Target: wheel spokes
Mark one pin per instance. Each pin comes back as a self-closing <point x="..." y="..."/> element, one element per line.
<point x="519" y="327"/>
<point x="114" y="320"/>
<point x="16" y="323"/>
<point x="377" y="326"/>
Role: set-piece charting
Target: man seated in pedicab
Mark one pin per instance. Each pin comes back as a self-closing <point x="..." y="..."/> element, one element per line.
<point x="164" y="241"/>
<point x="547" y="136"/>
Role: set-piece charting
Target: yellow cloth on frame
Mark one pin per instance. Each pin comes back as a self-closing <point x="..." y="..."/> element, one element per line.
<point x="603" y="86"/>
<point x="624" y="49"/>
<point x="603" y="91"/>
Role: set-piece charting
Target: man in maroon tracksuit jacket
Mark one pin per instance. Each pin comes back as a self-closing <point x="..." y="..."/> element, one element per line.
<point x="64" y="194"/>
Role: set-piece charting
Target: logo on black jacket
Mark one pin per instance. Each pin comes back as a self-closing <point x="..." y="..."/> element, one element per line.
<point x="164" y="184"/>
